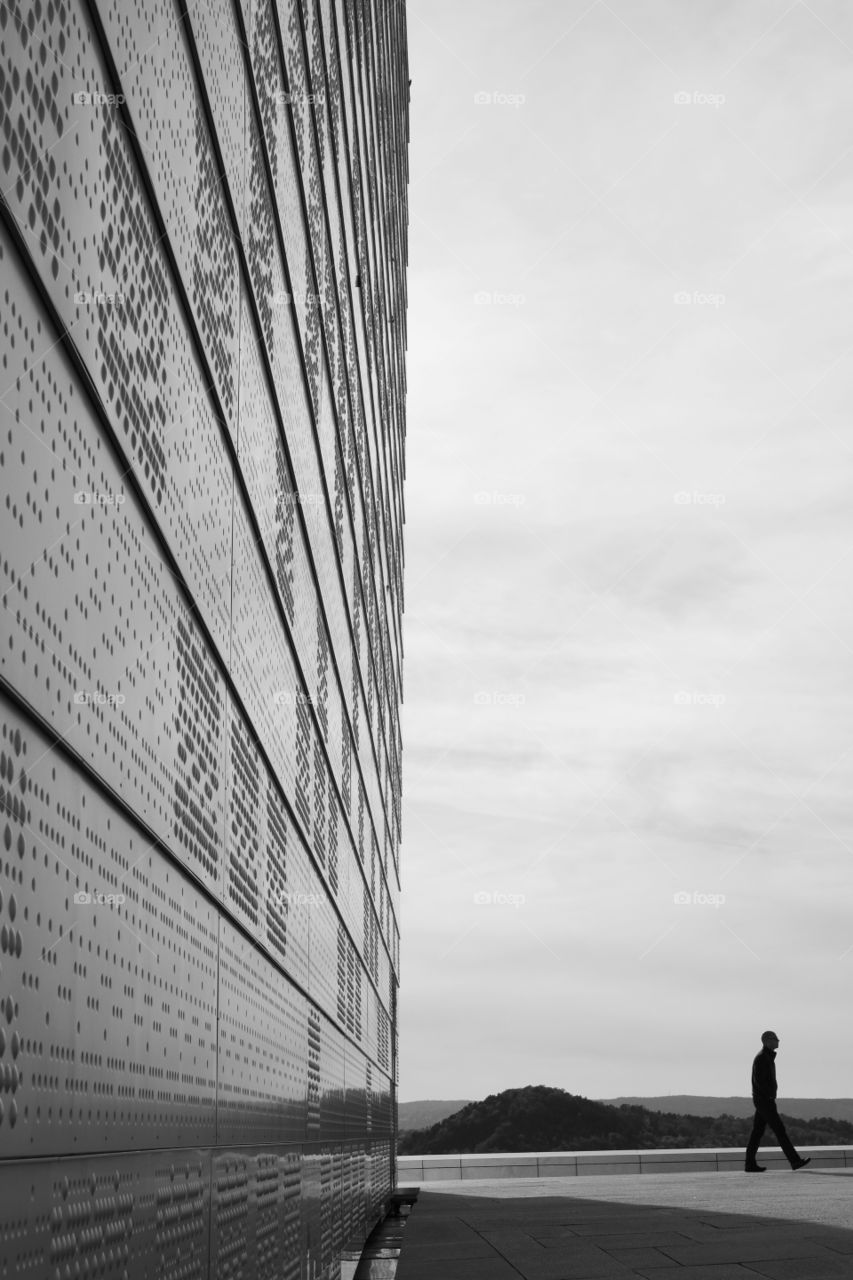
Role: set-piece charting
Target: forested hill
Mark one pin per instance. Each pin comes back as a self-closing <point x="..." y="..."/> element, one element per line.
<point x="538" y="1118"/>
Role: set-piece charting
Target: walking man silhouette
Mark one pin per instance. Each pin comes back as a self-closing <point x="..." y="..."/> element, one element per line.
<point x="764" y="1091"/>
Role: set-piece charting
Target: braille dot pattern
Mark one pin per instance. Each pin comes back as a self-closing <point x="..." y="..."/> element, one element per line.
<point x="200" y="447"/>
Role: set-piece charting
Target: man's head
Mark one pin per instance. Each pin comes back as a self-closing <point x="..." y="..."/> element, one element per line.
<point x="770" y="1040"/>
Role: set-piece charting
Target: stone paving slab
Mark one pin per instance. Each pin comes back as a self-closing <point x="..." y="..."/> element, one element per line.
<point x="688" y="1225"/>
<point x="805" y="1269"/>
<point x="436" y="1251"/>
<point x="616" y="1239"/>
<point x="726" y="1271"/>
<point x="583" y="1264"/>
<point x="749" y="1249"/>
<point x="714" y="1226"/>
<point x="643" y="1256"/>
<point x="494" y="1268"/>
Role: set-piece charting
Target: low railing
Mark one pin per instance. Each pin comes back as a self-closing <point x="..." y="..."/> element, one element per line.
<point x="569" y="1164"/>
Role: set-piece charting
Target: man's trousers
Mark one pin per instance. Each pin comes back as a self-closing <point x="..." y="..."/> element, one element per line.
<point x="766" y="1114"/>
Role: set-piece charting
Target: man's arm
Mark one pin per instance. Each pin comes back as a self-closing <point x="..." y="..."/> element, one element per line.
<point x="763" y="1078"/>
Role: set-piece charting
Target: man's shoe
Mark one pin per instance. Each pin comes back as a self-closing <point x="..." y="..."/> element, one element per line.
<point x="754" y="1168"/>
<point x="800" y="1162"/>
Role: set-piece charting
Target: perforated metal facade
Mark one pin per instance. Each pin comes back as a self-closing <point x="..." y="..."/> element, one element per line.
<point x="203" y="241"/>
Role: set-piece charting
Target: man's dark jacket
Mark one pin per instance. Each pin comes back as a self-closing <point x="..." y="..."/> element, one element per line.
<point x="764" y="1079"/>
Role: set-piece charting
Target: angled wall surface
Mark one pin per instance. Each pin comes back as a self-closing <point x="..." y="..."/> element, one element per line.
<point x="203" y="242"/>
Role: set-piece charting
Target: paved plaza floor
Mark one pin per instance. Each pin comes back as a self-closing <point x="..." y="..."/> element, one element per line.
<point x="704" y="1226"/>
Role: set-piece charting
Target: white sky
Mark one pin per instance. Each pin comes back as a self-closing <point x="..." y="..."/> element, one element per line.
<point x="628" y="611"/>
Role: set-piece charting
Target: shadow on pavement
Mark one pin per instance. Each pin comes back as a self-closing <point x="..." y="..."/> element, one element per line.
<point x="465" y="1236"/>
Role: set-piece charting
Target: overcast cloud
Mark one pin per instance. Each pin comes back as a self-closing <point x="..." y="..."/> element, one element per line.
<point x="628" y="612"/>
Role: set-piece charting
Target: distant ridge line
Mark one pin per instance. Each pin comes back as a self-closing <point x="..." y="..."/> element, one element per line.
<point x="689" y="1104"/>
<point x="426" y="1111"/>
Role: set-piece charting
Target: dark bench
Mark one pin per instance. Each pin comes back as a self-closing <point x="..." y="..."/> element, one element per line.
<point x="401" y="1200"/>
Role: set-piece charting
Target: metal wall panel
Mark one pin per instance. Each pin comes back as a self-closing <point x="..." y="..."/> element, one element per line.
<point x="337" y="299"/>
<point x="280" y="702"/>
<point x="80" y="204"/>
<point x="357" y="1087"/>
<point x="332" y="1085"/>
<point x="112" y="1040"/>
<point x="278" y="310"/>
<point x="123" y="1217"/>
<point x="215" y="27"/>
<point x="150" y="51"/>
<point x="271" y="487"/>
<point x="263" y="1048"/>
<point x="324" y="928"/>
<point x="304" y="301"/>
<point x="199" y="684"/>
<point x="101" y="642"/>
